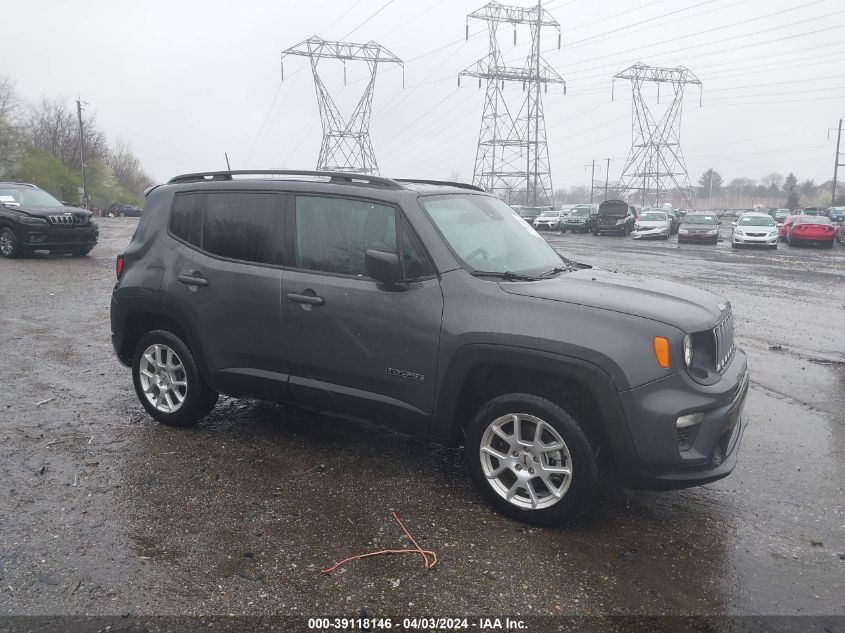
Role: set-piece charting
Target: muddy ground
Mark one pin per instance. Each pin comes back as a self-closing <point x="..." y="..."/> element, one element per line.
<point x="106" y="512"/>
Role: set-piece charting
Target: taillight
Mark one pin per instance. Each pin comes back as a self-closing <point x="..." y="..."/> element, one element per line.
<point x="118" y="266"/>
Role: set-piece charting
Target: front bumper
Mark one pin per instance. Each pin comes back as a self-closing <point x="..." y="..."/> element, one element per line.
<point x="57" y="239"/>
<point x="698" y="236"/>
<point x="546" y="225"/>
<point x="612" y="228"/>
<point x="667" y="457"/>
<point x="763" y="240"/>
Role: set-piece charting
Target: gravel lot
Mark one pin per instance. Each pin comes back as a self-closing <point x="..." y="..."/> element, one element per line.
<point x="106" y="512"/>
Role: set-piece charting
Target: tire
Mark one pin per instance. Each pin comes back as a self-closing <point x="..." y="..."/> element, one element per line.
<point x="577" y="489"/>
<point x="198" y="398"/>
<point x="734" y="245"/>
<point x="789" y="242"/>
<point x="773" y="247"/>
<point x="9" y="247"/>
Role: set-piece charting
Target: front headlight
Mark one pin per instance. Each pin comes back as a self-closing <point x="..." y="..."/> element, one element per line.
<point x="637" y="227"/>
<point x="28" y="219"/>
<point x="621" y="221"/>
<point x="683" y="232"/>
<point x="688" y="351"/>
<point x="738" y="232"/>
<point x="713" y="232"/>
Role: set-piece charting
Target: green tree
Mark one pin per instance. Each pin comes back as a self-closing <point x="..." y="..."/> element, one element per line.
<point x="711" y="176"/>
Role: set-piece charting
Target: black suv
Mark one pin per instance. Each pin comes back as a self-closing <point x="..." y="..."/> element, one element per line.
<point x="433" y="308"/>
<point x="31" y="219"/>
<point x="614" y="216"/>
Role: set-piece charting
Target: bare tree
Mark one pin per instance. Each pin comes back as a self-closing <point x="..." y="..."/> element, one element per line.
<point x="126" y="168"/>
<point x="53" y="126"/>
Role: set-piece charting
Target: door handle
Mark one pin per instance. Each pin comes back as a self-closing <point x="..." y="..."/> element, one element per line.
<point x="191" y="280"/>
<point x="310" y="299"/>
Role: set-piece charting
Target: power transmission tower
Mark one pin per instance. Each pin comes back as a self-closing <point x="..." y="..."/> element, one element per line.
<point x="512" y="150"/>
<point x="656" y="165"/>
<point x="346" y="143"/>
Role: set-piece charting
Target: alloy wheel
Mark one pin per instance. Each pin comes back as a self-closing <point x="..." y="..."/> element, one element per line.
<point x="163" y="378"/>
<point x="6" y="245"/>
<point x="526" y="461"/>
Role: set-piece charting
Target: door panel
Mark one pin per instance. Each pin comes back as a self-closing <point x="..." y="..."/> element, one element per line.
<point x="354" y="346"/>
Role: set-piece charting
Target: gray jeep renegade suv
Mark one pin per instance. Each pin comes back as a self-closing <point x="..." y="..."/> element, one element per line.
<point x="435" y="309"/>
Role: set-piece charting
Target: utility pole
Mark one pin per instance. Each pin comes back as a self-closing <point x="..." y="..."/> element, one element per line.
<point x="81" y="146"/>
<point x="592" y="167"/>
<point x="710" y="199"/>
<point x="606" y="178"/>
<point x="512" y="148"/>
<point x="836" y="164"/>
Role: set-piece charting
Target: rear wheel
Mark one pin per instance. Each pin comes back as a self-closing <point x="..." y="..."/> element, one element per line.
<point x="9" y="243"/>
<point x="167" y="381"/>
<point x="530" y="460"/>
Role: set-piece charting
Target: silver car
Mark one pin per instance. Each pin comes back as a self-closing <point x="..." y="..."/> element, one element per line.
<point x="652" y="224"/>
<point x="754" y="229"/>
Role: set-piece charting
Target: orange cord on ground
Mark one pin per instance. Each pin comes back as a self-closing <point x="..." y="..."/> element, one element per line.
<point x="424" y="553"/>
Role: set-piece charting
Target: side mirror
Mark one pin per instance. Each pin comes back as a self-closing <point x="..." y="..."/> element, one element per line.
<point x="383" y="267"/>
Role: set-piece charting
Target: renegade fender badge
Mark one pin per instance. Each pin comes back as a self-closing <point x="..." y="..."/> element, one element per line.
<point x="404" y="374"/>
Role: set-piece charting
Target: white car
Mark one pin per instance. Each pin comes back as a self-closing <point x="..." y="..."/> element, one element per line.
<point x="754" y="229"/>
<point x="549" y="220"/>
<point x="652" y="224"/>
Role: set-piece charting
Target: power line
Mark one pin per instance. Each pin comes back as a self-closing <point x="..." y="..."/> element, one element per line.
<point x="382" y="8"/>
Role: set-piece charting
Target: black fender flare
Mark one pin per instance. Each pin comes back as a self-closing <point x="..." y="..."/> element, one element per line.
<point x="611" y="414"/>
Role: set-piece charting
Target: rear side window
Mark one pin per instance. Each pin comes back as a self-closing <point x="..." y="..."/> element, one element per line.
<point x="241" y="225"/>
<point x="237" y="225"/>
<point x="333" y="234"/>
<point x="186" y="217"/>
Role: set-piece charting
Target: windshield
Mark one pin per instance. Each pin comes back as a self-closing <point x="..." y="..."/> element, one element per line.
<point x="580" y="212"/>
<point x="486" y="235"/>
<point x="26" y="197"/>
<point x="813" y="219"/>
<point x="652" y="216"/>
<point x="529" y="211"/>
<point x="700" y="219"/>
<point x="548" y="213"/>
<point x="756" y="220"/>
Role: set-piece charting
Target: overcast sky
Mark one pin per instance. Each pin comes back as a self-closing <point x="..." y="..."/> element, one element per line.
<point x="185" y="80"/>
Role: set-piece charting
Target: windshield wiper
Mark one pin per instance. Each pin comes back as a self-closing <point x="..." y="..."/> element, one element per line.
<point x="506" y="275"/>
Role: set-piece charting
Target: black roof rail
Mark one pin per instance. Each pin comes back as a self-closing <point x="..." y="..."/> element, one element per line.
<point x="339" y="177"/>
<point x="445" y="183"/>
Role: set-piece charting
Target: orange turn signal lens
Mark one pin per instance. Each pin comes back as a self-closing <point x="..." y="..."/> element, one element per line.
<point x="661" y="351"/>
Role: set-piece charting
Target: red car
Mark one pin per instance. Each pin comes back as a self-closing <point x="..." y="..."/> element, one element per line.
<point x="787" y="221"/>
<point x="811" y="229"/>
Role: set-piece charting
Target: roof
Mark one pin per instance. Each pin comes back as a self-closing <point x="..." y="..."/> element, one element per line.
<point x="18" y="185"/>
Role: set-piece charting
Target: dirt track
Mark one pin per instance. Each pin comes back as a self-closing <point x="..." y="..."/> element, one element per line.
<point x="106" y="512"/>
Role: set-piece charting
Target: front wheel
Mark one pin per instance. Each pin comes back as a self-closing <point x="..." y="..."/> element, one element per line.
<point x="531" y="460"/>
<point x="9" y="243"/>
<point x="167" y="380"/>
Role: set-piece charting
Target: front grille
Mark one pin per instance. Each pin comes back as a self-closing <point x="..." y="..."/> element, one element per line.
<point x="65" y="220"/>
<point x="724" y="335"/>
<point x="756" y="234"/>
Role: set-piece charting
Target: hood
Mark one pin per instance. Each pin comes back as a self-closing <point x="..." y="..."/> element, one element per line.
<point x="685" y="307"/>
<point x="44" y="212"/>
<point x="699" y="227"/>
<point x="651" y="224"/>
